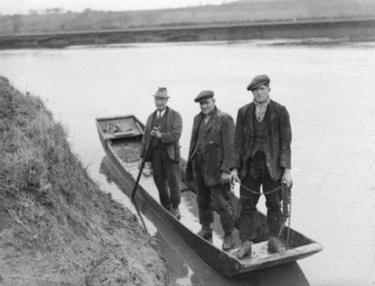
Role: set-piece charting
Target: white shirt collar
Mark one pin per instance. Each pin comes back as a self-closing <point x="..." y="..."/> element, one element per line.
<point x="160" y="113"/>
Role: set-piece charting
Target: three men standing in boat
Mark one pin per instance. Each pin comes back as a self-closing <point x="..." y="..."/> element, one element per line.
<point x="257" y="150"/>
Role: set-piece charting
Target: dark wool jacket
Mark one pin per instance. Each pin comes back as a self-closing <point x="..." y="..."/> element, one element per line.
<point x="170" y="137"/>
<point x="277" y="142"/>
<point x="217" y="147"/>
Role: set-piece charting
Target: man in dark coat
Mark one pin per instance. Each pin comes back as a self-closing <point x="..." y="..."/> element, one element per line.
<point x="262" y="158"/>
<point x="209" y="166"/>
<point x="162" y="133"/>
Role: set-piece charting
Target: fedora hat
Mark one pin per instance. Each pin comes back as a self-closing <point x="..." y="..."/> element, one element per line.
<point x="161" y="93"/>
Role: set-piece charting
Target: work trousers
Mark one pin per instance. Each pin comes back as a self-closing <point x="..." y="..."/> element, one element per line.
<point x="210" y="198"/>
<point x="166" y="178"/>
<point x="257" y="176"/>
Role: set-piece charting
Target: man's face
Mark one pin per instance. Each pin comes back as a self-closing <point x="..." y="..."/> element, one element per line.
<point x="161" y="102"/>
<point x="261" y="93"/>
<point x="207" y="105"/>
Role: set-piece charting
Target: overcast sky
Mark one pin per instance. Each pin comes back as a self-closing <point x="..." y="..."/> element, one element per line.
<point x="23" y="6"/>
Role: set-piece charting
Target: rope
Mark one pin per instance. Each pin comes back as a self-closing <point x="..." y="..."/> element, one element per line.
<point x="286" y="206"/>
<point x="286" y="210"/>
<point x="237" y="180"/>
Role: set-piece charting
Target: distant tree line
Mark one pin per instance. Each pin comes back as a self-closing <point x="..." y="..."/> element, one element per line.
<point x="244" y="11"/>
<point x="49" y="11"/>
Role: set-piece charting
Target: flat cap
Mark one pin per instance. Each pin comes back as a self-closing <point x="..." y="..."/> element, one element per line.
<point x="161" y="92"/>
<point x="257" y="81"/>
<point x="204" y="95"/>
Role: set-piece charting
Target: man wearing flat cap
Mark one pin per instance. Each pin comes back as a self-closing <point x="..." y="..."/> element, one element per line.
<point x="262" y="158"/>
<point x="209" y="166"/>
<point x="162" y="134"/>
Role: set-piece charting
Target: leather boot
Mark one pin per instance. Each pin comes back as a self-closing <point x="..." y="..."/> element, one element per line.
<point x="275" y="245"/>
<point x="175" y="212"/>
<point x="245" y="250"/>
<point x="228" y="242"/>
<point x="205" y="232"/>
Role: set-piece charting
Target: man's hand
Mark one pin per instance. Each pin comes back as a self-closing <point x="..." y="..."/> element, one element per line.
<point x="147" y="170"/>
<point x="156" y="132"/>
<point x="225" y="177"/>
<point x="287" y="178"/>
<point x="234" y="174"/>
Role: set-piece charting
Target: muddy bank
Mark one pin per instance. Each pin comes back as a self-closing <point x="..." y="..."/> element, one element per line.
<point x="56" y="226"/>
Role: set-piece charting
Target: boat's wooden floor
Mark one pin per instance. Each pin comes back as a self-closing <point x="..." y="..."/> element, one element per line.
<point x="188" y="206"/>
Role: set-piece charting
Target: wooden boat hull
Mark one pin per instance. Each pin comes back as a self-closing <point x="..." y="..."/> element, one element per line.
<point x="224" y="262"/>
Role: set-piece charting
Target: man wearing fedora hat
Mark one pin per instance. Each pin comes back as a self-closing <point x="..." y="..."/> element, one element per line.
<point x="262" y="158"/>
<point x="209" y="166"/>
<point x="162" y="134"/>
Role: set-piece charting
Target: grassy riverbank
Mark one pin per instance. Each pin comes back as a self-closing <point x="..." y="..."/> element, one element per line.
<point x="56" y="226"/>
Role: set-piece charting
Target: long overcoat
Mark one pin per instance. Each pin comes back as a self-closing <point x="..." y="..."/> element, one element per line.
<point x="217" y="147"/>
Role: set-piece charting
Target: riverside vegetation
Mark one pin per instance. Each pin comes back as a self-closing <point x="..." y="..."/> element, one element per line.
<point x="56" y="226"/>
<point x="242" y="11"/>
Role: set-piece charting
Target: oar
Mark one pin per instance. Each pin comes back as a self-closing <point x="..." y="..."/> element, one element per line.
<point x="141" y="169"/>
<point x="140" y="216"/>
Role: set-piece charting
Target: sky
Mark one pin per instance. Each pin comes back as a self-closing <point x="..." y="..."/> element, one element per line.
<point x="24" y="6"/>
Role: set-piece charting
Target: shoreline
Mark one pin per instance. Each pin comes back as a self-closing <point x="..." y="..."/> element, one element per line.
<point x="337" y="30"/>
<point x="57" y="225"/>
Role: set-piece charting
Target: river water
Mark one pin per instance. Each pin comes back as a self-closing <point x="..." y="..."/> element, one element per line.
<point x="328" y="90"/>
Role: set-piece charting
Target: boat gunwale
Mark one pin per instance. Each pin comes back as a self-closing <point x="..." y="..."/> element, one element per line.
<point x="97" y="119"/>
<point x="290" y="254"/>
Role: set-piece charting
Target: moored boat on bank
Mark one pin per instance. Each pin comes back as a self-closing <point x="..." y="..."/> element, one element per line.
<point x="121" y="139"/>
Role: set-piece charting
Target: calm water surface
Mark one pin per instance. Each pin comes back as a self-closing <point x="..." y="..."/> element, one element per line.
<point x="329" y="92"/>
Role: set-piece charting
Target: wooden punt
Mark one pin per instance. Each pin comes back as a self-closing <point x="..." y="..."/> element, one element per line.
<point x="121" y="137"/>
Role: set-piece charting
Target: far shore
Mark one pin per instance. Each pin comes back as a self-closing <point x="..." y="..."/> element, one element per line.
<point x="328" y="30"/>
